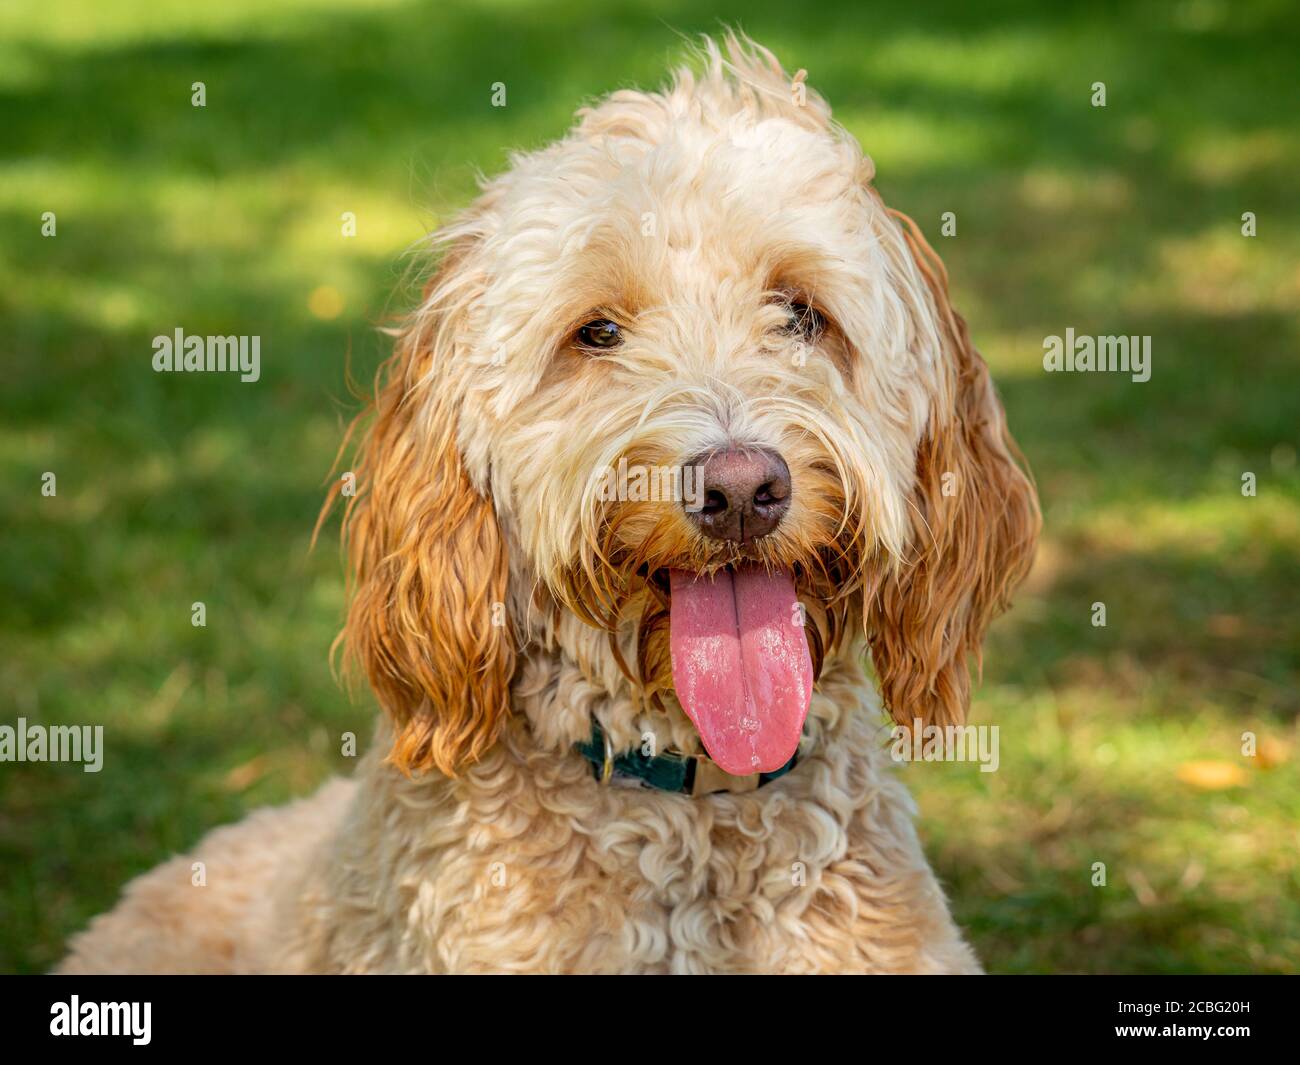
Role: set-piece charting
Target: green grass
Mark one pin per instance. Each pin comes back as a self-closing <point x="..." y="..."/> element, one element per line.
<point x="227" y="219"/>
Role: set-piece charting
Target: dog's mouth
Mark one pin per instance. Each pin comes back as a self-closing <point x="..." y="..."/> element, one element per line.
<point x="740" y="660"/>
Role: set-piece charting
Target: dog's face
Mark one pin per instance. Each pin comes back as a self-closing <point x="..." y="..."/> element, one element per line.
<point x="683" y="376"/>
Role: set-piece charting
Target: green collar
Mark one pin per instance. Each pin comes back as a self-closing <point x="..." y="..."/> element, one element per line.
<point x="670" y="771"/>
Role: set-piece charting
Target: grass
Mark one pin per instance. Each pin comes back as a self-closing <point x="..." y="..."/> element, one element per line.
<point x="172" y="490"/>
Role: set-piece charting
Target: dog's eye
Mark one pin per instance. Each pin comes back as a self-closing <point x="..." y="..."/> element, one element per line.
<point x="602" y="334"/>
<point x="804" y="321"/>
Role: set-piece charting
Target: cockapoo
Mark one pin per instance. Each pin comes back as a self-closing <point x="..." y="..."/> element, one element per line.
<point x="684" y="434"/>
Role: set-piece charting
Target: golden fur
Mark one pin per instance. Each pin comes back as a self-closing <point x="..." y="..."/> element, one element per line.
<point x="498" y="604"/>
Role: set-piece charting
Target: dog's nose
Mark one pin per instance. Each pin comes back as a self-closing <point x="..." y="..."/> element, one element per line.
<point x="746" y="494"/>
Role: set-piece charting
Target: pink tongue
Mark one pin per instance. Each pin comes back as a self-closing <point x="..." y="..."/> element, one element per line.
<point x="741" y="665"/>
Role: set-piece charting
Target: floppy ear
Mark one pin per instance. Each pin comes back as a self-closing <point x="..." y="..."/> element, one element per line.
<point x="427" y="619"/>
<point x="975" y="523"/>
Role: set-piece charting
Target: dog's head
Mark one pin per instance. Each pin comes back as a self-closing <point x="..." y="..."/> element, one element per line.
<point x="684" y="376"/>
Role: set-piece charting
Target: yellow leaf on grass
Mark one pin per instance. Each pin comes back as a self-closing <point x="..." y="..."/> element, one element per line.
<point x="246" y="775"/>
<point x="1212" y="776"/>
<point x="325" y="302"/>
<point x="1272" y="752"/>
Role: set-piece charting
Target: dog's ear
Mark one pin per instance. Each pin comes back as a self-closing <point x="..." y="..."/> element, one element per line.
<point x="428" y="562"/>
<point x="975" y="523"/>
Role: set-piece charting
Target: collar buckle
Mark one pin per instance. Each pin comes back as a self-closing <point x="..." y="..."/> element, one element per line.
<point x="607" y="769"/>
<point x="671" y="771"/>
<point x="710" y="777"/>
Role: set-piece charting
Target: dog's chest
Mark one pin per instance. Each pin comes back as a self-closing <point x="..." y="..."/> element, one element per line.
<point x="644" y="882"/>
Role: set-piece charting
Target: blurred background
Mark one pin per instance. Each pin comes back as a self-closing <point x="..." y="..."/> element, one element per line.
<point x="1120" y="744"/>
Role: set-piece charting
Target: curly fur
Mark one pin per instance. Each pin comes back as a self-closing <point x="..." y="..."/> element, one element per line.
<point x="498" y="604"/>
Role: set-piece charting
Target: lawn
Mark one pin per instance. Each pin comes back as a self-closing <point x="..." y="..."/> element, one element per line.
<point x="1120" y="744"/>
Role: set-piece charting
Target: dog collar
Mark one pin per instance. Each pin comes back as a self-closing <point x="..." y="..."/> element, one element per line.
<point x="686" y="774"/>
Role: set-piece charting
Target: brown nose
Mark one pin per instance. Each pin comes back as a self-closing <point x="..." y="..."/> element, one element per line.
<point x="746" y="493"/>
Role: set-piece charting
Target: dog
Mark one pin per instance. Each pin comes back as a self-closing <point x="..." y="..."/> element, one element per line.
<point x="624" y="733"/>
